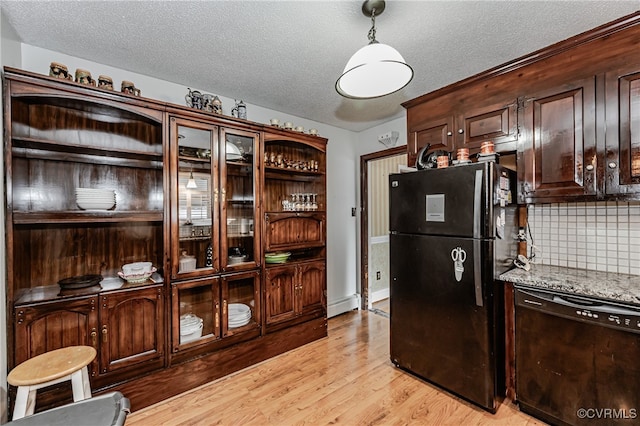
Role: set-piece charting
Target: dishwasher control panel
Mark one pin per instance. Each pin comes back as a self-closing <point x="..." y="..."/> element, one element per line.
<point x="580" y="308"/>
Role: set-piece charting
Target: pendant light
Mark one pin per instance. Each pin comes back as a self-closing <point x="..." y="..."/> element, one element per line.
<point x="191" y="183"/>
<point x="375" y="70"/>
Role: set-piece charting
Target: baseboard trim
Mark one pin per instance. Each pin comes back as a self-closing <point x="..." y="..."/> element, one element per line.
<point x="379" y="295"/>
<point x="343" y="305"/>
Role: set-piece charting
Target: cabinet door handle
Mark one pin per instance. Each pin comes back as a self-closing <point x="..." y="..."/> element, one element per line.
<point x="94" y="337"/>
<point x="612" y="165"/>
<point x="224" y="308"/>
<point x="589" y="167"/>
<point x="449" y="133"/>
<point x="215" y="195"/>
<point x="217" y="316"/>
<point x="104" y="334"/>
<point x="224" y="194"/>
<point x="461" y="131"/>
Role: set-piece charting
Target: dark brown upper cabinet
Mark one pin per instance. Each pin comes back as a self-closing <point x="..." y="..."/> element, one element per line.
<point x="460" y="125"/>
<point x="622" y="153"/>
<point x="497" y="123"/>
<point x="558" y="154"/>
<point x="570" y="112"/>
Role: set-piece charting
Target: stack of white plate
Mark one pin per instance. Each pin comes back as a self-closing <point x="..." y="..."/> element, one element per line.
<point x="95" y="199"/>
<point x="190" y="328"/>
<point x="239" y="315"/>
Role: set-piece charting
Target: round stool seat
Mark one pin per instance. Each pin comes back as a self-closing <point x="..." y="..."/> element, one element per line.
<point x="51" y="365"/>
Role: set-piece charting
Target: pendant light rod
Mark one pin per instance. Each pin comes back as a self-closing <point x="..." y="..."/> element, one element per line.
<point x="369" y="6"/>
<point x="371" y="9"/>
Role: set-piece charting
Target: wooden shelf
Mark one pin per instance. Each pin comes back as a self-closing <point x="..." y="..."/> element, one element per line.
<point x="293" y="213"/>
<point x="291" y="174"/>
<point x="102" y="108"/>
<point x="54" y="150"/>
<point x="52" y="292"/>
<point x="197" y="238"/>
<point x="239" y="163"/>
<point x="76" y="216"/>
<point x="190" y="159"/>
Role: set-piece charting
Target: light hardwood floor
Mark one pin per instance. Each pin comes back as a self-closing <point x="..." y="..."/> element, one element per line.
<point x="346" y="378"/>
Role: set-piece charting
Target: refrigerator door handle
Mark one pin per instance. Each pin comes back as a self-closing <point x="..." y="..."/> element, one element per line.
<point x="477" y="271"/>
<point x="477" y="204"/>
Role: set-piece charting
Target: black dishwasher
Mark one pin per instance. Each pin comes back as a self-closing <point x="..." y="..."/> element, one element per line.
<point x="577" y="359"/>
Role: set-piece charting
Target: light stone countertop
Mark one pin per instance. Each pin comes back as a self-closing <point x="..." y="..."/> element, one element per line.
<point x="582" y="282"/>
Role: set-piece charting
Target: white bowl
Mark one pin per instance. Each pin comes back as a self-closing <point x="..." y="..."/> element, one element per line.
<point x="233" y="152"/>
<point x="137" y="278"/>
<point x="136" y="268"/>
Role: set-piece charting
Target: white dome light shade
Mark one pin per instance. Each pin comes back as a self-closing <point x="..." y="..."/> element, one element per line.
<point x="373" y="71"/>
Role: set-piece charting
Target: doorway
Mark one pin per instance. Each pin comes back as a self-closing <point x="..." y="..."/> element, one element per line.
<point x="374" y="225"/>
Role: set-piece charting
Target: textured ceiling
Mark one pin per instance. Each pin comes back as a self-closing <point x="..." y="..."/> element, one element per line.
<point x="287" y="55"/>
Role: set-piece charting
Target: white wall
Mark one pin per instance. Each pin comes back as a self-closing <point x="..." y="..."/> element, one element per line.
<point x="9" y="55"/>
<point x="367" y="143"/>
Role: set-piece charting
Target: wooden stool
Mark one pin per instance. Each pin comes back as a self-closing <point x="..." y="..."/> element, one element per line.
<point x="47" y="369"/>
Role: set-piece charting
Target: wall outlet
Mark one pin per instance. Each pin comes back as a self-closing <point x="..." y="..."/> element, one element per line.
<point x="377" y="275"/>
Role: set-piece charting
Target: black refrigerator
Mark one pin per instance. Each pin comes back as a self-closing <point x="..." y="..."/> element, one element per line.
<point x="453" y="231"/>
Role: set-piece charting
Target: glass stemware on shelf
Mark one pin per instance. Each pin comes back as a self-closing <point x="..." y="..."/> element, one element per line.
<point x="301" y="202"/>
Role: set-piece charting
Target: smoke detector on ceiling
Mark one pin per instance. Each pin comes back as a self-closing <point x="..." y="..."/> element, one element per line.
<point x="389" y="139"/>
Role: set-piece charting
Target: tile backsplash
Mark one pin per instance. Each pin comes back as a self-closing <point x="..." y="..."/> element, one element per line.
<point x="602" y="236"/>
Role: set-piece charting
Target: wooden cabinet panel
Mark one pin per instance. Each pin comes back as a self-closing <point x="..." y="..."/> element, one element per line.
<point x="46" y="327"/>
<point x="131" y="328"/>
<point x="622" y="162"/>
<point x="436" y="133"/>
<point x="559" y="152"/>
<point x="295" y="289"/>
<point x="497" y="123"/>
<point x="312" y="285"/>
<point x="294" y="230"/>
<point x="280" y="287"/>
<point x="466" y="126"/>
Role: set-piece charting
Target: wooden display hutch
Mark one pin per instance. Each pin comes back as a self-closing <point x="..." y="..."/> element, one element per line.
<point x="295" y="220"/>
<point x="205" y="237"/>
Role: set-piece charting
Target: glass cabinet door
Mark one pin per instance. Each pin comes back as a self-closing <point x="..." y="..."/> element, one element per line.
<point x="197" y="305"/>
<point x="238" y="159"/>
<point x="194" y="186"/>
<point x="240" y="303"/>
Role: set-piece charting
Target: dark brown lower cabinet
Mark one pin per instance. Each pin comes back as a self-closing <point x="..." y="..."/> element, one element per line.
<point x="131" y="331"/>
<point x="295" y="290"/>
<point x="228" y="308"/>
<point x="125" y="327"/>
<point x="44" y="327"/>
